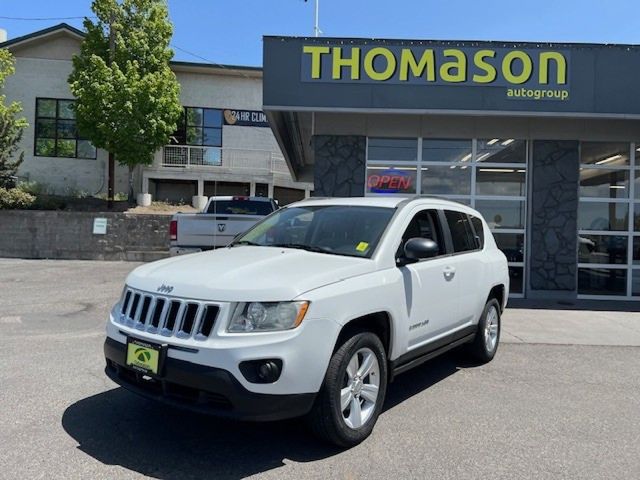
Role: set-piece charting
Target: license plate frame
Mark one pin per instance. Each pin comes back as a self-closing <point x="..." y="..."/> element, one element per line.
<point x="145" y="357"/>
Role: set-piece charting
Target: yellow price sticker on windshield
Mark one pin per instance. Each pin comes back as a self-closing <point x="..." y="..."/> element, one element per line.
<point x="362" y="246"/>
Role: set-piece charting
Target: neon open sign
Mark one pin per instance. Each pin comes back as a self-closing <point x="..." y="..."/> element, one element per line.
<point x="390" y="181"/>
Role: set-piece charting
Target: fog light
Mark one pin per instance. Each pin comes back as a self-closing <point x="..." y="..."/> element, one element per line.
<point x="261" y="371"/>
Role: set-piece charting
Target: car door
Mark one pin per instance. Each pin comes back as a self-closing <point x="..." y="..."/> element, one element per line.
<point x="431" y="291"/>
<point x="467" y="264"/>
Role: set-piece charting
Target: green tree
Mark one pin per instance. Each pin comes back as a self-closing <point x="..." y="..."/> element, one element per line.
<point x="127" y="96"/>
<point x="11" y="126"/>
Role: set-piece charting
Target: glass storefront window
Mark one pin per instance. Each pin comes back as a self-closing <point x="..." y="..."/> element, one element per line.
<point x="436" y="150"/>
<point x="449" y="168"/>
<point x="611" y="249"/>
<point x="502" y="213"/>
<point x="501" y="150"/>
<point x="500" y="181"/>
<point x="516" y="275"/>
<point x="611" y="154"/>
<point x="637" y="177"/>
<point x="511" y="244"/>
<point x="607" y="173"/>
<point x="635" y="283"/>
<point x="602" y="281"/>
<point x="603" y="216"/>
<point x="636" y="250"/>
<point x="393" y="149"/>
<point x="391" y="179"/>
<point x="597" y="182"/>
<point x="446" y="180"/>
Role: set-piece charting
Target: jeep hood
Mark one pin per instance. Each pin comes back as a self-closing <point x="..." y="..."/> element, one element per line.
<point x="247" y="273"/>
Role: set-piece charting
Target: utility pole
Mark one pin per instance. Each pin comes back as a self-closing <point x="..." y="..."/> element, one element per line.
<point x="316" y="28"/>
<point x="111" y="172"/>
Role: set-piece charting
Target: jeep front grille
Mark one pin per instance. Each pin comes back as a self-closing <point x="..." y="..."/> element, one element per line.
<point x="167" y="316"/>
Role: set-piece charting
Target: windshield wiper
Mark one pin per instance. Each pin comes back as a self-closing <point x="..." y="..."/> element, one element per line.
<point x="246" y="242"/>
<point x="301" y="246"/>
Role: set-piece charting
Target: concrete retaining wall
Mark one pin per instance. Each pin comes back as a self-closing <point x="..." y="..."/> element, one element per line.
<point x="69" y="235"/>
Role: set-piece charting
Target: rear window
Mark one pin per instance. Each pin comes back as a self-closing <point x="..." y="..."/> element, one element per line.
<point x="461" y="232"/>
<point x="240" y="207"/>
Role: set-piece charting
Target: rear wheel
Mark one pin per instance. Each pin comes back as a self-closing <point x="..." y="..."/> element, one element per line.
<point x="485" y="343"/>
<point x="353" y="392"/>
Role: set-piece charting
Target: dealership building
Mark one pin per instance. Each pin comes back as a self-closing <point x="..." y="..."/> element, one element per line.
<point x="542" y="139"/>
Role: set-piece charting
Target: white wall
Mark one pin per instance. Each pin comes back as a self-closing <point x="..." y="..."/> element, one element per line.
<point x="37" y="77"/>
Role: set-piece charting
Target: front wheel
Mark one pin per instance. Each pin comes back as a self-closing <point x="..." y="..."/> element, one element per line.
<point x="351" y="398"/>
<point x="485" y="344"/>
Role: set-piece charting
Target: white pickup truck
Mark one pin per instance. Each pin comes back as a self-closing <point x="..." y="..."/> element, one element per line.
<point x="312" y="312"/>
<point x="221" y="220"/>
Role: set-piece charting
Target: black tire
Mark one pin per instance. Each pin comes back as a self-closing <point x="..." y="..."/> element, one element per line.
<point x="326" y="417"/>
<point x="480" y="349"/>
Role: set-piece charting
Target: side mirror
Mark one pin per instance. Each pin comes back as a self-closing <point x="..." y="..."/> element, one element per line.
<point x="419" y="248"/>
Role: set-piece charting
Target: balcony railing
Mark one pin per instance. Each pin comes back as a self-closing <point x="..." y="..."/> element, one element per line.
<point x="187" y="156"/>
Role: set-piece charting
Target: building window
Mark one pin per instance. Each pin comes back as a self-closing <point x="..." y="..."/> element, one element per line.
<point x="56" y="133"/>
<point x="199" y="127"/>
<point x="487" y="174"/>
<point x="608" y="235"/>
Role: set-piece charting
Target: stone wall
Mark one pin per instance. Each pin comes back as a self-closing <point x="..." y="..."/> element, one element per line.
<point x="69" y="235"/>
<point x="339" y="165"/>
<point x="554" y="202"/>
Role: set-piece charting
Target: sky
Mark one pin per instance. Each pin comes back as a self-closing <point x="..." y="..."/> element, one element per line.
<point x="230" y="32"/>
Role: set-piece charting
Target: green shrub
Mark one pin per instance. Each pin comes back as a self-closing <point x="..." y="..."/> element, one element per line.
<point x="49" y="202"/>
<point x="117" y="197"/>
<point x="15" y="198"/>
<point x="34" y="188"/>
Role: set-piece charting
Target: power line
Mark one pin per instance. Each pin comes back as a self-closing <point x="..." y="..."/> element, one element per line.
<point x="37" y="19"/>
<point x="210" y="62"/>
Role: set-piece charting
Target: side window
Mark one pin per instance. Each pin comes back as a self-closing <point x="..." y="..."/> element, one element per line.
<point x="479" y="230"/>
<point x="461" y="232"/>
<point x="425" y="224"/>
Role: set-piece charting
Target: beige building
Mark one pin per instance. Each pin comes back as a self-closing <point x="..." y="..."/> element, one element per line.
<point x="223" y="145"/>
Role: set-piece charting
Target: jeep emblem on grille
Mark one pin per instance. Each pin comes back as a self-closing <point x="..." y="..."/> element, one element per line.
<point x="221" y="227"/>
<point x="165" y="288"/>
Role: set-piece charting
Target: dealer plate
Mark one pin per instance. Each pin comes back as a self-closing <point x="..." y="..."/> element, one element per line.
<point x="143" y="356"/>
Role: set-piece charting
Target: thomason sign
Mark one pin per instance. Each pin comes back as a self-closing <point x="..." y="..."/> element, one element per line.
<point x="530" y="74"/>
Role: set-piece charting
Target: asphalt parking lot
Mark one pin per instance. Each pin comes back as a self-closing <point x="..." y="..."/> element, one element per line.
<point x="539" y="410"/>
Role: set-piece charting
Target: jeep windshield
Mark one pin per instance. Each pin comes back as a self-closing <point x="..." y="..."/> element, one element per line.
<point x="334" y="229"/>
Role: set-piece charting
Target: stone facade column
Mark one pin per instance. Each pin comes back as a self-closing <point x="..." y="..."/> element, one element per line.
<point x="339" y="169"/>
<point x="555" y="168"/>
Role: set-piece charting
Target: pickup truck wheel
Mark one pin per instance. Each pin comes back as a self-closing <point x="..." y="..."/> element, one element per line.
<point x="485" y="343"/>
<point x="351" y="398"/>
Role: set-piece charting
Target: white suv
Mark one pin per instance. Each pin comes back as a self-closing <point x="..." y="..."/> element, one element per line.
<point x="312" y="311"/>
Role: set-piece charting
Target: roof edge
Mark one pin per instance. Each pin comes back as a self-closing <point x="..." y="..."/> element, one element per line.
<point x="424" y="41"/>
<point x="40" y="33"/>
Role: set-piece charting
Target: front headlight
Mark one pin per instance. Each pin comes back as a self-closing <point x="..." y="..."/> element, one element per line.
<point x="267" y="316"/>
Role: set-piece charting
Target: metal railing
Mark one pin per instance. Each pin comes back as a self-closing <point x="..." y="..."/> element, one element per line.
<point x="259" y="161"/>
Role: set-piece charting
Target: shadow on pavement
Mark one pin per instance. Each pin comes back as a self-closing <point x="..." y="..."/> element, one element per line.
<point x="119" y="428"/>
<point x="581" y="304"/>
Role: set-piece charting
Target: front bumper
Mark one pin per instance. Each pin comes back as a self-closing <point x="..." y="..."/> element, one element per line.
<point x="203" y="389"/>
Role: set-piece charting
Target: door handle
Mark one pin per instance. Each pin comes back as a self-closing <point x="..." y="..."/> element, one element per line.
<point x="449" y="273"/>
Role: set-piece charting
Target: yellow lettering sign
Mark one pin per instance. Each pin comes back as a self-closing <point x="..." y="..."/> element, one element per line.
<point x="370" y="58"/>
<point x="507" y="67"/>
<point x="339" y="62"/>
<point x="490" y="71"/>
<point x="426" y="65"/>
<point x="561" y="67"/>
<point x="459" y="65"/>
<point x="316" y="58"/>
